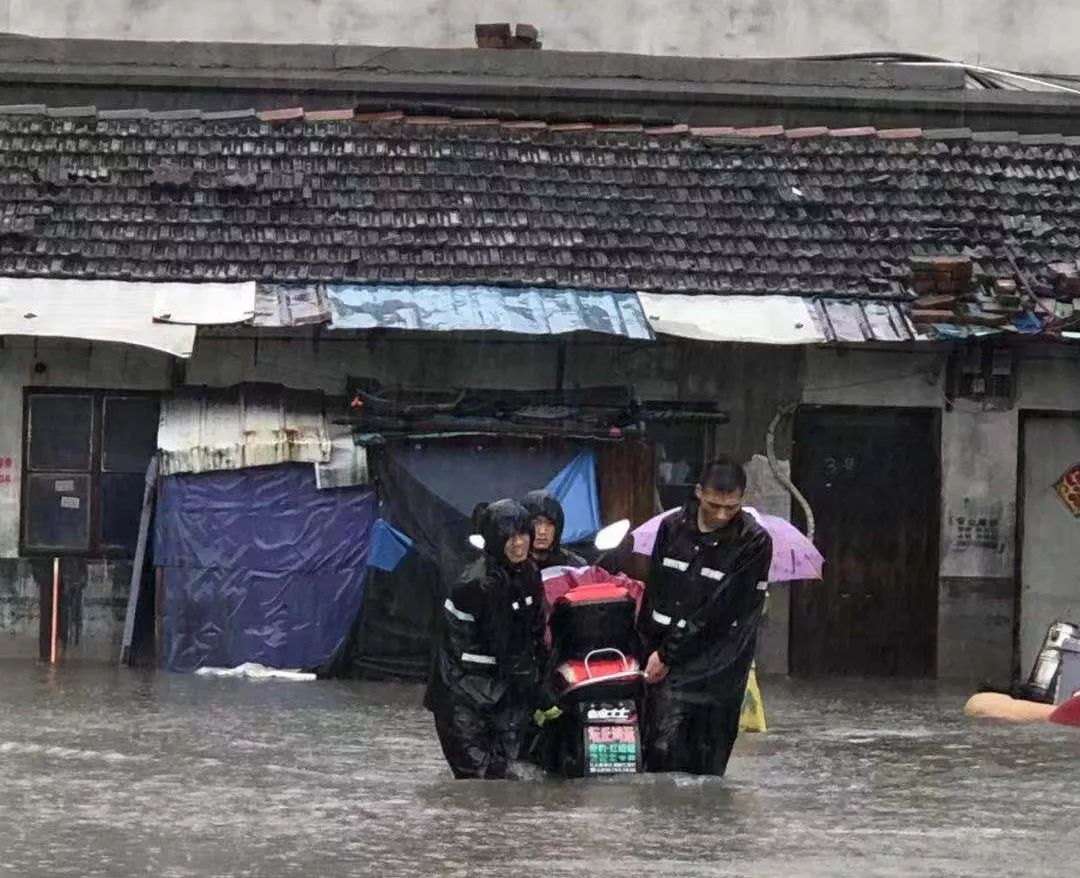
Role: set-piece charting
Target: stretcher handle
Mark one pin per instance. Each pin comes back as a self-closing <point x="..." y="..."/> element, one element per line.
<point x="609" y="651"/>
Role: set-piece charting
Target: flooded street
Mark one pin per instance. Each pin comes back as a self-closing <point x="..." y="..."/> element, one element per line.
<point x="109" y="773"/>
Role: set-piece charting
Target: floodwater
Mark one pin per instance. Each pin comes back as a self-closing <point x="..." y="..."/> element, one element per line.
<point x="118" y="773"/>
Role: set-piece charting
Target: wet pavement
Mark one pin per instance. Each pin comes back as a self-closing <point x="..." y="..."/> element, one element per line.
<point x="116" y="773"/>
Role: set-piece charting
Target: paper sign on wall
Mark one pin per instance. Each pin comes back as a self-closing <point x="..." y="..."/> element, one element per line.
<point x="69" y="502"/>
<point x="64" y="486"/>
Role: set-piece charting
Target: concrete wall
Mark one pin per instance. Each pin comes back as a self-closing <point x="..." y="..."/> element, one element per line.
<point x="978" y="587"/>
<point x="1036" y="36"/>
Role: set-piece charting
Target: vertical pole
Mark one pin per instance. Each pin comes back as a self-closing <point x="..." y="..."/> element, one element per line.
<point x="54" y="628"/>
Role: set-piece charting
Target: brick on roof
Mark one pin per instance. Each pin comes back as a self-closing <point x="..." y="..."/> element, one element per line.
<point x="280" y="197"/>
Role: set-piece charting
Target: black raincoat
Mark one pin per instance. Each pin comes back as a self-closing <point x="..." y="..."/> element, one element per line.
<point x="701" y="612"/>
<point x="486" y="673"/>
<point x="542" y="503"/>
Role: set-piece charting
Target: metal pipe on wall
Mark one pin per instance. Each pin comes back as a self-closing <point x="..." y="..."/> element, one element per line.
<point x="55" y="626"/>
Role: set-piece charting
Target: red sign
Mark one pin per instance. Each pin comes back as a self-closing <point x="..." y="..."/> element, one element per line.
<point x="612" y="735"/>
<point x="1068" y="489"/>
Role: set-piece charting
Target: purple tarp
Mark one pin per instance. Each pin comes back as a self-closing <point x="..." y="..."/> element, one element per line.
<point x="260" y="566"/>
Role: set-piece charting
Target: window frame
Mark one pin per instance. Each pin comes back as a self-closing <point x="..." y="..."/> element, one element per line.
<point x="706" y="451"/>
<point x="95" y="473"/>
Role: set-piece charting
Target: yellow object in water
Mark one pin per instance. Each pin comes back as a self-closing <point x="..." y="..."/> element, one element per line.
<point x="753" y="710"/>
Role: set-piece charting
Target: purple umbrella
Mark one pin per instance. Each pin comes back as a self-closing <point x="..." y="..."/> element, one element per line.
<point x="793" y="555"/>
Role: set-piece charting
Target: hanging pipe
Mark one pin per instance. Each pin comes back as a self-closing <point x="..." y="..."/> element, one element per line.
<point x="55" y="626"/>
<point x="784" y="411"/>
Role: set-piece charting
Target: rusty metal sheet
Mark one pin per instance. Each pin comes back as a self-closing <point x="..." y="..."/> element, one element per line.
<point x="204" y="430"/>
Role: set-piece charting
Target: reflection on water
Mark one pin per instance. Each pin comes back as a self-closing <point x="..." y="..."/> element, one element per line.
<point x="114" y="773"/>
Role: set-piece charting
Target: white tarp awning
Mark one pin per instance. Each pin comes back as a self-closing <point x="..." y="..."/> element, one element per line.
<point x="96" y="310"/>
<point x="204" y="304"/>
<point x="756" y="319"/>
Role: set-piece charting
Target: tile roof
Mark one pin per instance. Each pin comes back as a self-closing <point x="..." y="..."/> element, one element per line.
<point x="285" y="196"/>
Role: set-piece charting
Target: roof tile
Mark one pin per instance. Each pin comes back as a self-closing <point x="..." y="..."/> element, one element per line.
<point x="387" y="116"/>
<point x="71" y="112"/>
<point x="284" y="115"/>
<point x="899" y="133"/>
<point x="800" y="133"/>
<point x="764" y="131"/>
<point x="224" y="197"/>
<point x="344" y="115"/>
<point x="864" y="131"/>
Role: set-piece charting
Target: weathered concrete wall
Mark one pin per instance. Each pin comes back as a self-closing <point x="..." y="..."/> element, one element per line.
<point x="1036" y="36"/>
<point x="873" y="378"/>
<point x="765" y="493"/>
<point x="978" y="583"/>
<point x="324" y="364"/>
<point x="20" y="610"/>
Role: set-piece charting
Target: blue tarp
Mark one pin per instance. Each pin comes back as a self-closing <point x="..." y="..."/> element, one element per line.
<point x="388" y="546"/>
<point x="575" y="486"/>
<point x="260" y="566"/>
<point x="527" y="311"/>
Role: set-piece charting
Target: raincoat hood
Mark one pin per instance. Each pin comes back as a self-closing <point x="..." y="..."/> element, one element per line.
<point x="498" y="522"/>
<point x="547" y="505"/>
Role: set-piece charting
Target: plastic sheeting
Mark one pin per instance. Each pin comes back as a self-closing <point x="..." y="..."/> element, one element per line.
<point x="388" y="546"/>
<point x="260" y="566"/>
<point x="429" y="493"/>
<point x="464" y="475"/>
<point x="255" y="671"/>
<point x="529" y="311"/>
<point x="575" y="488"/>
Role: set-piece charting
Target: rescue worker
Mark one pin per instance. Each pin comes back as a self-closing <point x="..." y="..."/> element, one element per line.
<point x="486" y="675"/>
<point x="698" y="623"/>
<point x="548" y="520"/>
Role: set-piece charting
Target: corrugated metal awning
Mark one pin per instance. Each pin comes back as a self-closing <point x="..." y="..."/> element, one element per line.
<point x="203" y="429"/>
<point x="778" y="320"/>
<point x="528" y="311"/>
<point x="855" y="321"/>
<point x="96" y="310"/>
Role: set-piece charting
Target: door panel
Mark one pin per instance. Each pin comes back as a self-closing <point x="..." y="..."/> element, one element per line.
<point x="872" y="479"/>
